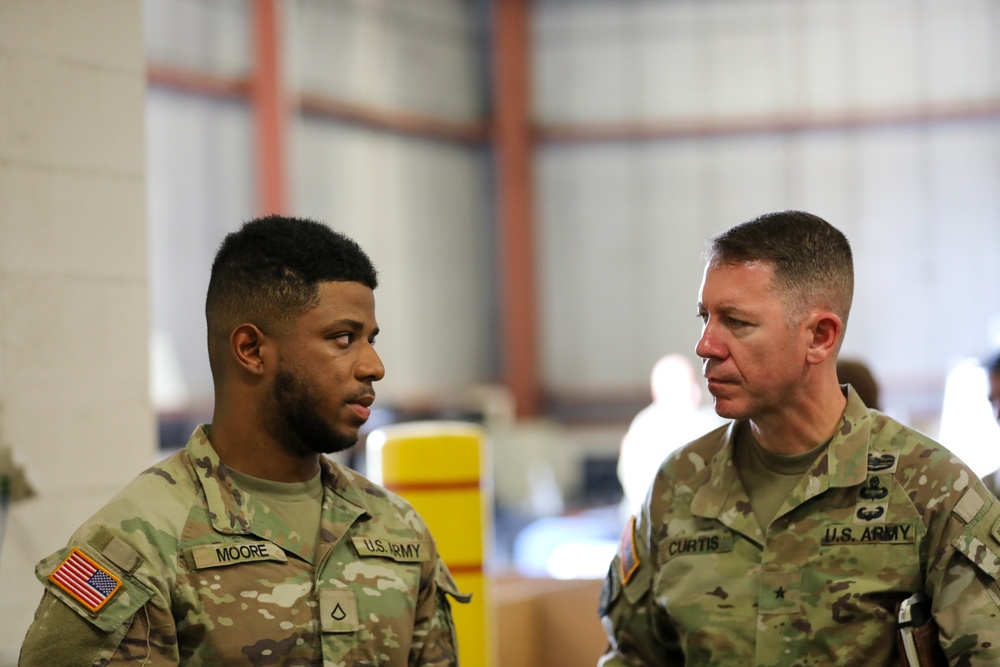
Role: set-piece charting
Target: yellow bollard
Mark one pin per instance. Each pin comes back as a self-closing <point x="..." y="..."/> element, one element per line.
<point x="439" y="468"/>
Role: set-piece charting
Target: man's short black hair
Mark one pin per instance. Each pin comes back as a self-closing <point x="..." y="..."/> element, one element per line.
<point x="812" y="259"/>
<point x="270" y="270"/>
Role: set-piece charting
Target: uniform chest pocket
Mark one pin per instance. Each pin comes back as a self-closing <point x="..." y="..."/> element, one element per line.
<point x="707" y="580"/>
<point x="866" y="559"/>
<point x="371" y="612"/>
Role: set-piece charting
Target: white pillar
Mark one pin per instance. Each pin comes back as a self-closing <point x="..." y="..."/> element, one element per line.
<point x="74" y="297"/>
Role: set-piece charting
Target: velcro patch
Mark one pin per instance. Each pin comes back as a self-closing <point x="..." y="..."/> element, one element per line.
<point x="216" y="555"/>
<point x="719" y="541"/>
<point x="980" y="541"/>
<point x="85" y="580"/>
<point x="402" y="552"/>
<point x="627" y="560"/>
<point x="968" y="506"/>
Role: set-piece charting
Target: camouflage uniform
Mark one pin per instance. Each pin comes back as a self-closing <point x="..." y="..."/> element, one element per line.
<point x="883" y="513"/>
<point x="190" y="570"/>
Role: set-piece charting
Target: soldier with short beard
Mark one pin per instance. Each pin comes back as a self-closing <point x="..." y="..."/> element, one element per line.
<point x="250" y="546"/>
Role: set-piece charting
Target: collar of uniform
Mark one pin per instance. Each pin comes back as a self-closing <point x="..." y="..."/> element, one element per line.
<point x="845" y="463"/>
<point x="349" y="486"/>
<point x="847" y="456"/>
<point x="721" y="496"/>
<point x="710" y="498"/>
<point x="227" y="504"/>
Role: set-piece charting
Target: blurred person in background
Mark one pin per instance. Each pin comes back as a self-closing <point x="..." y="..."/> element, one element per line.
<point x="794" y="535"/>
<point x="992" y="366"/>
<point x="993" y="376"/>
<point x="857" y="374"/>
<point x="674" y="418"/>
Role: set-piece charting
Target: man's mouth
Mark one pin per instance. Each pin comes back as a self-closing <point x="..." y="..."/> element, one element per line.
<point x="362" y="406"/>
<point x="714" y="381"/>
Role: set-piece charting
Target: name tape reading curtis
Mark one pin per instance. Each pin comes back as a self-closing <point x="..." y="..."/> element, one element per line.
<point x="697" y="544"/>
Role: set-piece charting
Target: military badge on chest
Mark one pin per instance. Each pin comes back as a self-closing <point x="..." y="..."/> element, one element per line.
<point x="872" y="503"/>
<point x="871" y="522"/>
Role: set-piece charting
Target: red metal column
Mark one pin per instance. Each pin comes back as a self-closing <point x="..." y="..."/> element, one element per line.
<point x="269" y="106"/>
<point x="515" y="203"/>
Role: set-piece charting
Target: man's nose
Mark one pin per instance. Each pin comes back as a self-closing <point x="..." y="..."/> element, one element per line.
<point x="708" y="346"/>
<point x="370" y="367"/>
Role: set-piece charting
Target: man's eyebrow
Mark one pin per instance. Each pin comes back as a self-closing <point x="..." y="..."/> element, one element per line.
<point x="353" y="325"/>
<point x="725" y="310"/>
<point x="732" y="310"/>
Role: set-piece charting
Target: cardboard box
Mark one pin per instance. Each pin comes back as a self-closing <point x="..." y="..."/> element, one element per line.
<point x="547" y="622"/>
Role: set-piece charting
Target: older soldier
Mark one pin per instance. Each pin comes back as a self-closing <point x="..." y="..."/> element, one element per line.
<point x="249" y="546"/>
<point x="791" y="535"/>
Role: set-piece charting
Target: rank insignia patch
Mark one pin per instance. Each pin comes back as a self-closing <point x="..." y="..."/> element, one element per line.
<point x="627" y="559"/>
<point x="85" y="581"/>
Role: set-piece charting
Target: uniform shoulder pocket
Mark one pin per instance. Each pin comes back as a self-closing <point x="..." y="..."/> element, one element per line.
<point x="97" y="583"/>
<point x="980" y="540"/>
<point x="632" y="563"/>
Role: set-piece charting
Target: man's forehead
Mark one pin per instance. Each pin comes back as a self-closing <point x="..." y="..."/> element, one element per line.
<point x="350" y="299"/>
<point x="738" y="278"/>
<point x="762" y="266"/>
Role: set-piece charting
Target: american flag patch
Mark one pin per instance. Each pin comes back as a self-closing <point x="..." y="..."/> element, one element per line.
<point x="85" y="580"/>
<point x="627" y="560"/>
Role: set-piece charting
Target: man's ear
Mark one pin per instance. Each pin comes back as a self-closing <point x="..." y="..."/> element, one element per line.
<point x="248" y="345"/>
<point x="826" y="329"/>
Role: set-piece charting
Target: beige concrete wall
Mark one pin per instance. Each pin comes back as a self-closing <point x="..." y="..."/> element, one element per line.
<point x="74" y="300"/>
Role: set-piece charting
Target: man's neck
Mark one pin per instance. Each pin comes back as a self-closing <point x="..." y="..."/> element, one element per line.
<point x="802" y="425"/>
<point x="247" y="447"/>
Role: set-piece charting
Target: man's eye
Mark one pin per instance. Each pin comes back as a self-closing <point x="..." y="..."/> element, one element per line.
<point x="703" y="317"/>
<point x="342" y="339"/>
<point x="736" y="324"/>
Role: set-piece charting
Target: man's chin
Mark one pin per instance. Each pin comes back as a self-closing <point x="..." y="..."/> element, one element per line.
<point x="333" y="442"/>
<point x="727" y="409"/>
<point x="339" y="445"/>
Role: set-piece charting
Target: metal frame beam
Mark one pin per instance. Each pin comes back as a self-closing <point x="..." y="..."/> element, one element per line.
<point x="515" y="197"/>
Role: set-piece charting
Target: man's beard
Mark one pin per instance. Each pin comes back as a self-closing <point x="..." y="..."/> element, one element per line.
<point x="296" y="421"/>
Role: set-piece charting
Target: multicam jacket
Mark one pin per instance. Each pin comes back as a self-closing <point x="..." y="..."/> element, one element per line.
<point x="885" y="512"/>
<point x="184" y="568"/>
